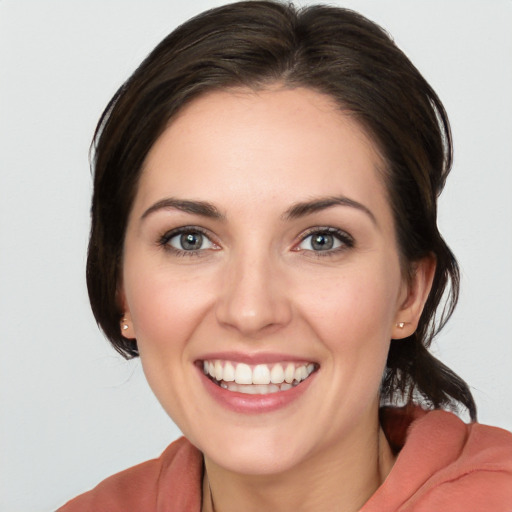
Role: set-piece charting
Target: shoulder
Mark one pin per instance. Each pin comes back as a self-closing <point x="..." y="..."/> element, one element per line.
<point x="176" y="474"/>
<point x="446" y="464"/>
<point x="470" y="465"/>
<point x="477" y="465"/>
<point x="448" y="442"/>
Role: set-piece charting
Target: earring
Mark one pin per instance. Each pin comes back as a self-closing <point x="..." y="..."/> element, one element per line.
<point x="125" y="325"/>
<point x="400" y="325"/>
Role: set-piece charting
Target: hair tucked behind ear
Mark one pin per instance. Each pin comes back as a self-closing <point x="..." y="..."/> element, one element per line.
<point x="413" y="373"/>
<point x="330" y="50"/>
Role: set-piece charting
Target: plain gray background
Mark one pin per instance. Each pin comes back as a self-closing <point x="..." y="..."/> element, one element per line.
<point x="72" y="411"/>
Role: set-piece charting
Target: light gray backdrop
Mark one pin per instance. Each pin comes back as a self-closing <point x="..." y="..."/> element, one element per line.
<point x="73" y="412"/>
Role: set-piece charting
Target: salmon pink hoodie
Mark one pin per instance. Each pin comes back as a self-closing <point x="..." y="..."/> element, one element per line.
<point x="443" y="465"/>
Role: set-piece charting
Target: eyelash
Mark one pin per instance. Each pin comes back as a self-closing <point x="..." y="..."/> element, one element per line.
<point x="346" y="241"/>
<point x="169" y="235"/>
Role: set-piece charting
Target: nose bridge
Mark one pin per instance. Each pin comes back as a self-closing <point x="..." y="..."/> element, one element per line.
<point x="253" y="300"/>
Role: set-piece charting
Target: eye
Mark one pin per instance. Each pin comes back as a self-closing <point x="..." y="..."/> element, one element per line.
<point x="187" y="240"/>
<point x="326" y="240"/>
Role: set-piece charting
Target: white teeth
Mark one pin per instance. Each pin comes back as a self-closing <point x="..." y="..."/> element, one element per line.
<point x="277" y="374"/>
<point x="218" y="370"/>
<point x="243" y="374"/>
<point x="229" y="372"/>
<point x="289" y="373"/>
<point x="261" y="374"/>
<point x="300" y="373"/>
<point x="259" y="379"/>
<point x="254" y="389"/>
<point x="250" y="390"/>
<point x="232" y="386"/>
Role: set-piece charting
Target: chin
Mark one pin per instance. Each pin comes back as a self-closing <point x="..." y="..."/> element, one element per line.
<point x="260" y="451"/>
<point x="256" y="459"/>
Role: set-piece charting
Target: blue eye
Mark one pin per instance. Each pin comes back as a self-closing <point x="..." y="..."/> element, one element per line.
<point x="325" y="240"/>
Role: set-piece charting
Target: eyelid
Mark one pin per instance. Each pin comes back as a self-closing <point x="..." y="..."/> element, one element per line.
<point x="346" y="240"/>
<point x="163" y="240"/>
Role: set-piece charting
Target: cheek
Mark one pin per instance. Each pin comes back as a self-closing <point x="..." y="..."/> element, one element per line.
<point x="165" y="306"/>
<point x="356" y="302"/>
<point x="353" y="315"/>
<point x="167" y="311"/>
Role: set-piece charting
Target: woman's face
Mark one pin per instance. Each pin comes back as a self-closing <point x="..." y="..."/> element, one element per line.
<point x="261" y="247"/>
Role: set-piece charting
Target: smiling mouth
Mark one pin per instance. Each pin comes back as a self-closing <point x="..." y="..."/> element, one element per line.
<point x="259" y="379"/>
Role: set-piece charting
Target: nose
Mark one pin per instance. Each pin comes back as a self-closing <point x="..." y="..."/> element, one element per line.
<point x="254" y="298"/>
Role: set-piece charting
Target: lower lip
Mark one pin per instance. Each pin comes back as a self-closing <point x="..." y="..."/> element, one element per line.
<point x="254" y="404"/>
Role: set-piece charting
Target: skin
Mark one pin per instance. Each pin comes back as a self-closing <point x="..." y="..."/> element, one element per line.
<point x="257" y="285"/>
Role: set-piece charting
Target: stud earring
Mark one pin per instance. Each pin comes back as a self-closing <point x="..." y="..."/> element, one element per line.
<point x="125" y="325"/>
<point x="400" y="325"/>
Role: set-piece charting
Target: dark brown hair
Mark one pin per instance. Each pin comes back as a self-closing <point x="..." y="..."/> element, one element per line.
<point x="330" y="50"/>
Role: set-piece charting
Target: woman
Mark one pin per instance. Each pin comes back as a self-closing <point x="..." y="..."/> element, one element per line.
<point x="264" y="237"/>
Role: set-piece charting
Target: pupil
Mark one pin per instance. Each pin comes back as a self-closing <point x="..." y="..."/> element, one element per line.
<point x="191" y="241"/>
<point x="322" y="242"/>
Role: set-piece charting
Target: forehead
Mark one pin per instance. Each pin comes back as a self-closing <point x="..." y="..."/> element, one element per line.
<point x="280" y="145"/>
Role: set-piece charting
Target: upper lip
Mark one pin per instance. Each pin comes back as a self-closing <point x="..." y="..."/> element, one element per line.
<point x="254" y="358"/>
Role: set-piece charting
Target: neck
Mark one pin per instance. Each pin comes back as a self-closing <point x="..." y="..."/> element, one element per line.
<point x="342" y="478"/>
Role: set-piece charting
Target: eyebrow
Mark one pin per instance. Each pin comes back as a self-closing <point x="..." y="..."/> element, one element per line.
<point x="297" y="210"/>
<point x="202" y="208"/>
<point x="303" y="209"/>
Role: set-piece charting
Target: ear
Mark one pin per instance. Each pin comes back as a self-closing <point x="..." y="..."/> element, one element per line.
<point x="126" y="324"/>
<point x="416" y="291"/>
